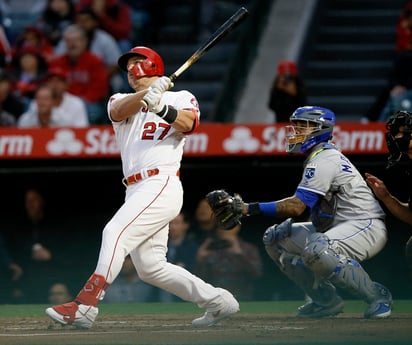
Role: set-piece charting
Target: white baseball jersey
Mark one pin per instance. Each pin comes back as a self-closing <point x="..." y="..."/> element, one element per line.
<point x="146" y="141"/>
<point x="141" y="225"/>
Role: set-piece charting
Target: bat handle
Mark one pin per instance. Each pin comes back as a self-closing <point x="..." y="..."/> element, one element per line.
<point x="172" y="77"/>
<point x="143" y="103"/>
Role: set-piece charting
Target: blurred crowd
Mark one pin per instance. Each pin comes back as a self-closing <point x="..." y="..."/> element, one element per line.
<point x="41" y="261"/>
<point x="58" y="61"/>
<point x="72" y="47"/>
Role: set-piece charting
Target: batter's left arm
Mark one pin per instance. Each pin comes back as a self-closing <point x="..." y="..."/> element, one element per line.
<point x="186" y="120"/>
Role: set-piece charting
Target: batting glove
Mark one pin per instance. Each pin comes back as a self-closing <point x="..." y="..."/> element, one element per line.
<point x="163" y="84"/>
<point x="153" y="99"/>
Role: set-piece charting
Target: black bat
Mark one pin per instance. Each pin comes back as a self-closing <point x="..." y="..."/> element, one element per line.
<point x="215" y="38"/>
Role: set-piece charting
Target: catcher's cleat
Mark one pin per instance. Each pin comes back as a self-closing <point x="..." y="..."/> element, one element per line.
<point x="379" y="310"/>
<point x="78" y="315"/>
<point x="229" y="307"/>
<point x="382" y="306"/>
<point x="314" y="310"/>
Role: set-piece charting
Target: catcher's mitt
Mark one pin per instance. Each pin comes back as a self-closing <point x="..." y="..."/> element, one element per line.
<point x="227" y="208"/>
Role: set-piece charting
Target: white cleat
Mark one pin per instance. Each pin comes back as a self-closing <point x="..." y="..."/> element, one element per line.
<point x="78" y="315"/>
<point x="229" y="307"/>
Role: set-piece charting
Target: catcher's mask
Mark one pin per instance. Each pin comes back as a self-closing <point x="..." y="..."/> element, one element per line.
<point x="310" y="126"/>
<point x="151" y="66"/>
<point x="398" y="136"/>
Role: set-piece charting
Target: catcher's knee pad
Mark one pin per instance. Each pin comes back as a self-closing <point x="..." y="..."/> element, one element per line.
<point x="277" y="232"/>
<point x="319" y="256"/>
<point x="274" y="252"/>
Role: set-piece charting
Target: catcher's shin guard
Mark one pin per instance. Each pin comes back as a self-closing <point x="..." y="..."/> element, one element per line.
<point x="93" y="291"/>
<point x="343" y="272"/>
<point x="320" y="291"/>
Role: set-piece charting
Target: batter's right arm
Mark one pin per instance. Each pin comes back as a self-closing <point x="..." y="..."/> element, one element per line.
<point x="125" y="107"/>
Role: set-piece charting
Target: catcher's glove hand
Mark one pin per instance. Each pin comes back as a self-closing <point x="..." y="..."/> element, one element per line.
<point x="227" y="208"/>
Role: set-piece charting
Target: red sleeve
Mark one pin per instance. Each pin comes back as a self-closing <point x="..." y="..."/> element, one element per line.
<point x="100" y="81"/>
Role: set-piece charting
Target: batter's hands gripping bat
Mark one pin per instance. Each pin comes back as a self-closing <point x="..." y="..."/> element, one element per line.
<point x="216" y="37"/>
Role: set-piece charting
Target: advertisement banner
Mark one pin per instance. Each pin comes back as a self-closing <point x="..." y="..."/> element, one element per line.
<point x="210" y="139"/>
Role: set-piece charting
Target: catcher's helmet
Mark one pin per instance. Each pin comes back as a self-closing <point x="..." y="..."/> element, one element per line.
<point x="311" y="125"/>
<point x="151" y="66"/>
<point x="397" y="138"/>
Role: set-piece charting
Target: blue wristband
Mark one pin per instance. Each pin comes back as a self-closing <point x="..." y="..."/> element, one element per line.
<point x="268" y="208"/>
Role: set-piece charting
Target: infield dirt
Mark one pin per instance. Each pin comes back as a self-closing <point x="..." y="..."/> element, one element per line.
<point x="176" y="329"/>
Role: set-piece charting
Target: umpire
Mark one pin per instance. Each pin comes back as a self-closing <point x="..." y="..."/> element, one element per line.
<point x="398" y="140"/>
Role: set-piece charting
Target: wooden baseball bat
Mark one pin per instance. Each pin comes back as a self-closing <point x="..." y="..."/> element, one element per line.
<point x="227" y="27"/>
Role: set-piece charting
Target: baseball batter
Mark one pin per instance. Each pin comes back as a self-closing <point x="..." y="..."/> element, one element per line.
<point x="347" y="223"/>
<point x="151" y="140"/>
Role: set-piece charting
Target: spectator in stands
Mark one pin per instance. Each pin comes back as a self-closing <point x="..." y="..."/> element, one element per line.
<point x="204" y="223"/>
<point x="288" y="91"/>
<point x="128" y="287"/>
<point x="59" y="293"/>
<point x="32" y="36"/>
<point x="10" y="105"/>
<point x="56" y="17"/>
<point x="181" y="250"/>
<point x="18" y="14"/>
<point x="38" y="240"/>
<point x="43" y="113"/>
<point x="226" y="260"/>
<point x="114" y="17"/>
<point x="102" y="44"/>
<point x="69" y="110"/>
<point x="10" y="273"/>
<point x="29" y="69"/>
<point x="87" y="74"/>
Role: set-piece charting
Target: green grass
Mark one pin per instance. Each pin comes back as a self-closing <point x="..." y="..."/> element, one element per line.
<point x="275" y="307"/>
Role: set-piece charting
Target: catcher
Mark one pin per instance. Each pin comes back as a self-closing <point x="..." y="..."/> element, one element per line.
<point x="347" y="222"/>
<point x="398" y="140"/>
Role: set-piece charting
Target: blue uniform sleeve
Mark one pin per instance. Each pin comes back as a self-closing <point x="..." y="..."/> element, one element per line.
<point x="310" y="199"/>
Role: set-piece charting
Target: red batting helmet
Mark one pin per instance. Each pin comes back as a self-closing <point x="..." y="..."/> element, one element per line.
<point x="151" y="66"/>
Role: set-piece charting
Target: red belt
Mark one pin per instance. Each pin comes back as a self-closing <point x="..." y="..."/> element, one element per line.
<point x="138" y="177"/>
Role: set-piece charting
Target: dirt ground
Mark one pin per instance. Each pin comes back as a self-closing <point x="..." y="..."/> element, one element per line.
<point x="240" y="329"/>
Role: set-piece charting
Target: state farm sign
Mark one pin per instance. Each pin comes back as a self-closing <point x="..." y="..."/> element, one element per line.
<point x="225" y="139"/>
<point x="208" y="140"/>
